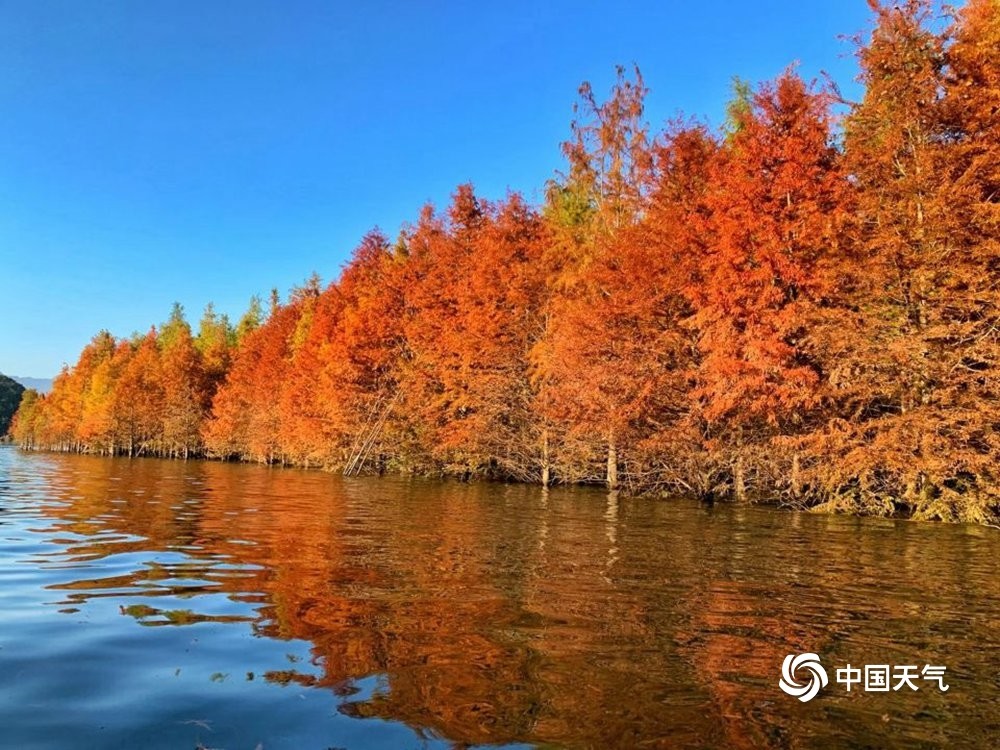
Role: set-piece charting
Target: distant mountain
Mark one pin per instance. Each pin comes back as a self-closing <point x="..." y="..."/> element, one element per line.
<point x="42" y="385"/>
<point x="10" y="399"/>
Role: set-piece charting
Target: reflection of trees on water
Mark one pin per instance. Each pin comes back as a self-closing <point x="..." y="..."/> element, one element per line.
<point x="495" y="614"/>
<point x="830" y="595"/>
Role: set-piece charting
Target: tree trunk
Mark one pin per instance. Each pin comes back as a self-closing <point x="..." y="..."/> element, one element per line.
<point x="546" y="470"/>
<point x="739" y="481"/>
<point x="612" y="475"/>
<point x="796" y="478"/>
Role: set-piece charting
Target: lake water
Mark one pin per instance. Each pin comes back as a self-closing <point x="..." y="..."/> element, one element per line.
<point x="159" y="604"/>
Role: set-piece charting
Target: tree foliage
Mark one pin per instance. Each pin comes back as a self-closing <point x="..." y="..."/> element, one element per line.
<point x="795" y="307"/>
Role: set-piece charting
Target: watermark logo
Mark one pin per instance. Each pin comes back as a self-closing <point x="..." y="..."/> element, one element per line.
<point x="872" y="678"/>
<point x="808" y="663"/>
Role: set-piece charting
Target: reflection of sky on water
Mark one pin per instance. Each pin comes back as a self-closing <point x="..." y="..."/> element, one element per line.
<point x="161" y="604"/>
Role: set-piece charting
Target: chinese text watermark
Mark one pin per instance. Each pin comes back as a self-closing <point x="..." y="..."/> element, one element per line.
<point x="803" y="676"/>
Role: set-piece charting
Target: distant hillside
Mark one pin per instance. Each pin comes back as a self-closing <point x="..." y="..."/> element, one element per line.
<point x="10" y="398"/>
<point x="42" y="385"/>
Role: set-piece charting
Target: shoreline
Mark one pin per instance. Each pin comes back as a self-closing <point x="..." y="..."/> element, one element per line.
<point x="758" y="501"/>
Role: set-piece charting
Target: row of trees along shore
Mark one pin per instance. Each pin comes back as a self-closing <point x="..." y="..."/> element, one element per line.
<point x="802" y="307"/>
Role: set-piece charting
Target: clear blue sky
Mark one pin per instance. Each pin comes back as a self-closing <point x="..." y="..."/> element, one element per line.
<point x="198" y="150"/>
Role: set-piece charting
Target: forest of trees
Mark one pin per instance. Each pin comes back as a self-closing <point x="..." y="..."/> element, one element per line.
<point x="803" y="307"/>
<point x="10" y="398"/>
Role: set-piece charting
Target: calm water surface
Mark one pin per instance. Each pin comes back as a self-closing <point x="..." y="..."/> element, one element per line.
<point x="158" y="604"/>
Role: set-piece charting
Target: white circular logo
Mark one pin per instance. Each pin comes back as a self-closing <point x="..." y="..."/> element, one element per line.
<point x="804" y="691"/>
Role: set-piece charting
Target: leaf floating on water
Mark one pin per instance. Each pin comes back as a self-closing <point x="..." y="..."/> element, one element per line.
<point x="219" y="676"/>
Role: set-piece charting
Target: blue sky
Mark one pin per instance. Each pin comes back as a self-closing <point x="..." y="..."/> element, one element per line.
<point x="210" y="150"/>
